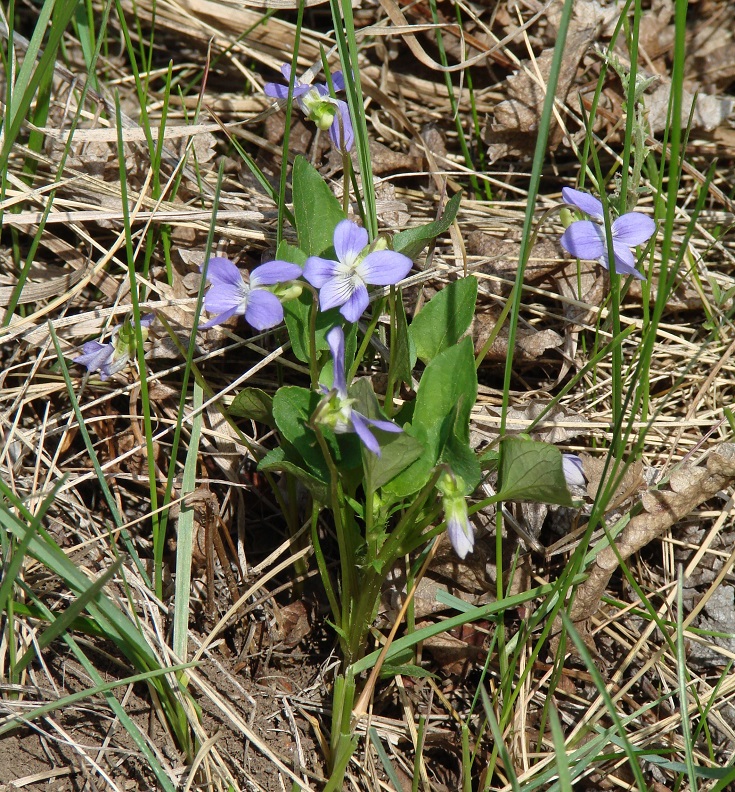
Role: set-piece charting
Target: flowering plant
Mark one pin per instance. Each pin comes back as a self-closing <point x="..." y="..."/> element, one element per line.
<point x="378" y="468"/>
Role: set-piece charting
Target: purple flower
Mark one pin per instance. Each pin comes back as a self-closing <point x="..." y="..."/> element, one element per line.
<point x="318" y="105"/>
<point x="344" y="282"/>
<point x="113" y="356"/>
<point x="230" y="295"/>
<point x="587" y="240"/>
<point x="460" y="530"/>
<point x="461" y="533"/>
<point x="97" y="357"/>
<point x="339" y="414"/>
<point x="573" y="471"/>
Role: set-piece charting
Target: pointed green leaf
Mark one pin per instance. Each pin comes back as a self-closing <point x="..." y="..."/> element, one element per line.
<point x="446" y="395"/>
<point x="444" y="319"/>
<point x="413" y="240"/>
<point x="276" y="461"/>
<point x="316" y="210"/>
<point x="254" y="404"/>
<point x="532" y="471"/>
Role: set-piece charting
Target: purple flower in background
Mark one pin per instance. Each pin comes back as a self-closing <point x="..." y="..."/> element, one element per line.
<point x="318" y="105"/>
<point x="344" y="282"/>
<point x="97" y="357"/>
<point x="587" y="240"/>
<point x="573" y="471"/>
<point x="339" y="414"/>
<point x="113" y="356"/>
<point x="230" y="295"/>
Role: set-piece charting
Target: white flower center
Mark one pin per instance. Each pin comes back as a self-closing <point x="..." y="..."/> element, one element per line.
<point x="243" y="294"/>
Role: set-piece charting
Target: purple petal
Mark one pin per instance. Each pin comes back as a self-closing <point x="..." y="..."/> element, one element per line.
<point x="338" y="81"/>
<point x="223" y="297"/>
<point x="461" y="535"/>
<point x="341" y="131"/>
<point x="633" y="228"/>
<point x="263" y="310"/>
<point x="349" y="240"/>
<point x="584" y="240"/>
<point x="624" y="260"/>
<point x="301" y="89"/>
<point x="363" y="432"/>
<point x="584" y="201"/>
<point x="336" y="342"/>
<point x="385" y="426"/>
<point x="147" y="320"/>
<point x="318" y="270"/>
<point x="95" y="355"/>
<point x="221" y="271"/>
<point x="274" y="272"/>
<point x="384" y="267"/>
<point x="574" y="474"/>
<point x="276" y="90"/>
<point x="221" y="318"/>
<point x="336" y="291"/>
<point x="355" y="305"/>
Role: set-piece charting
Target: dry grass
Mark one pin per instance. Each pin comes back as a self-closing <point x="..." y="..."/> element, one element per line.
<point x="262" y="686"/>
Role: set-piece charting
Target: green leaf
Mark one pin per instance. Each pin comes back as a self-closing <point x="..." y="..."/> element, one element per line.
<point x="316" y="210"/>
<point x="448" y="388"/>
<point x="444" y="319"/>
<point x="287" y="252"/>
<point x="460" y="457"/>
<point x="292" y="411"/>
<point x="398" y="452"/>
<point x="532" y="471"/>
<point x="412" y="241"/>
<point x="403" y="352"/>
<point x="276" y="461"/>
<point x="446" y="395"/>
<point x="254" y="404"/>
<point x="297" y="315"/>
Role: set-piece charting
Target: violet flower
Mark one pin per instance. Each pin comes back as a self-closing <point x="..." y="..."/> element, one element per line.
<point x="318" y="105"/>
<point x="344" y="282"/>
<point x="573" y="471"/>
<point x="459" y="528"/>
<point x="338" y="413"/>
<point x="230" y="295"/>
<point x="113" y="356"/>
<point x="587" y="240"/>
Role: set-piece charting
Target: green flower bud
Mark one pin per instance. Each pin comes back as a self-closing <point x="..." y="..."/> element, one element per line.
<point x="567" y="218"/>
<point x="323" y="115"/>
<point x="288" y="291"/>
